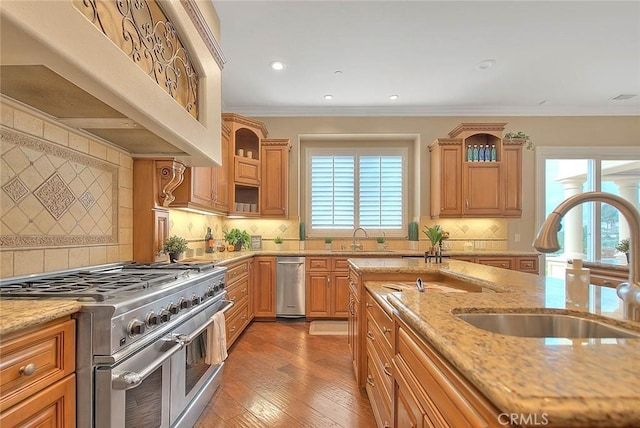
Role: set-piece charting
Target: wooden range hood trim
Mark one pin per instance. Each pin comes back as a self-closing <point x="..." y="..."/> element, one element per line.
<point x="170" y="174"/>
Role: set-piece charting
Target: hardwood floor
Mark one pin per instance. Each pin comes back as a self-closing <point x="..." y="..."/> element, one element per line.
<point x="277" y="375"/>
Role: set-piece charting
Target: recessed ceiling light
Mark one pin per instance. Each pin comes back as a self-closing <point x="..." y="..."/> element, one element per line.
<point x="394" y="97"/>
<point x="542" y="102"/>
<point x="623" y="97"/>
<point x="337" y="72"/>
<point x="328" y="97"/>
<point x="487" y="63"/>
<point x="277" y="65"/>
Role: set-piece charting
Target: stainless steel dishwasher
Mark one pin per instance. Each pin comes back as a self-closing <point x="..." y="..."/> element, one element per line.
<point x="290" y="290"/>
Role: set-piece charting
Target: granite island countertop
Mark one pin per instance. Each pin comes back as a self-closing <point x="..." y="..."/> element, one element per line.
<point x="18" y="314"/>
<point x="576" y="382"/>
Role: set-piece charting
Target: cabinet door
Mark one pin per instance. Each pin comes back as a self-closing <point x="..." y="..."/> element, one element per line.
<point x="512" y="167"/>
<point x="354" y="334"/>
<point x="221" y="179"/>
<point x="407" y="411"/>
<point x="246" y="171"/>
<point x="450" y="181"/>
<point x="201" y="185"/>
<point x="275" y="178"/>
<point x="482" y="189"/>
<point x="54" y="406"/>
<point x="161" y="233"/>
<point x="340" y="294"/>
<point x="318" y="289"/>
<point x="264" y="287"/>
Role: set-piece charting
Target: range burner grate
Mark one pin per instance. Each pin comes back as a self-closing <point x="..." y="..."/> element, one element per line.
<point x="198" y="266"/>
<point x="97" y="285"/>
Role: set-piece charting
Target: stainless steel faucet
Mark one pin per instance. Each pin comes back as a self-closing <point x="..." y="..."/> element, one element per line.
<point x="547" y="242"/>
<point x="358" y="246"/>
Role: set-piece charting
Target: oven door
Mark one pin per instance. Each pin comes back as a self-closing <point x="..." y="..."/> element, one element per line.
<point x="136" y="392"/>
<point x="194" y="378"/>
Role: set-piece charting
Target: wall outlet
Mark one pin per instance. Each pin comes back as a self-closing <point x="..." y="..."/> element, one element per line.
<point x="516" y="238"/>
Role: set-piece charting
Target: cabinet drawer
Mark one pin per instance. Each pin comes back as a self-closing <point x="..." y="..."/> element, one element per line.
<point x="236" y="323"/>
<point x="318" y="264"/>
<point x="527" y="264"/>
<point x="238" y="290"/>
<point x="246" y="171"/>
<point x="55" y="406"/>
<point x="32" y="362"/>
<point x="383" y="322"/>
<point x="339" y="265"/>
<point x="380" y="405"/>
<point x="500" y="262"/>
<point x="235" y="272"/>
<point x="379" y="356"/>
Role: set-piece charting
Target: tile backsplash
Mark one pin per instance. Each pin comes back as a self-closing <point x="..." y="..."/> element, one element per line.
<point x="65" y="199"/>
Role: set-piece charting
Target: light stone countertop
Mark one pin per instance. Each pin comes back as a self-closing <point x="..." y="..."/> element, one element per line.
<point x="576" y="382"/>
<point x="18" y="314"/>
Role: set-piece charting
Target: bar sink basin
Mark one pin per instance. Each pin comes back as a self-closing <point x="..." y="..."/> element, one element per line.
<point x="546" y="325"/>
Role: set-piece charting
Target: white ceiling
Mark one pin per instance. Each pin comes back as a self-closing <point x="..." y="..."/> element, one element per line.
<point x="575" y="56"/>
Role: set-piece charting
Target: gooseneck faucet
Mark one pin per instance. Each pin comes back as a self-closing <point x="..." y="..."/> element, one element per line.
<point x="547" y="242"/>
<point x="358" y="246"/>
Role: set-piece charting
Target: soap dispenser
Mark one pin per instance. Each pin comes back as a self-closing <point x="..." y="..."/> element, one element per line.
<point x="577" y="283"/>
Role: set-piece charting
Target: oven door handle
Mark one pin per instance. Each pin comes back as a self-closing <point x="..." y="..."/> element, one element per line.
<point x="128" y="379"/>
<point x="188" y="338"/>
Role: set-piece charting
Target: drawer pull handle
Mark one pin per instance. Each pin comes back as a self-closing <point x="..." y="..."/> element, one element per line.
<point x="232" y="329"/>
<point x="243" y="318"/>
<point x="370" y="336"/>
<point x="28" y="370"/>
<point x="386" y="369"/>
<point x="368" y="305"/>
<point x="385" y="330"/>
<point x="370" y="381"/>
<point x="233" y="299"/>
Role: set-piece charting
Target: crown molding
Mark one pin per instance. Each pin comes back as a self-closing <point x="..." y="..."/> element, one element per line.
<point x="309" y="111"/>
<point x="207" y="36"/>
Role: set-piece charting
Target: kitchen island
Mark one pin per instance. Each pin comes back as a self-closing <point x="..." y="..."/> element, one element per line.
<point x="565" y="382"/>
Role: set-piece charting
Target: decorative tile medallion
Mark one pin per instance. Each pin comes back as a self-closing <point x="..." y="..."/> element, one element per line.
<point x="55" y="195"/>
<point x="16" y="189"/>
<point x="87" y="200"/>
<point x="77" y="204"/>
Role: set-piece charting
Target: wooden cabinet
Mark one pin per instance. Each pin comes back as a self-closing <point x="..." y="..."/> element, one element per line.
<point x="274" y="198"/>
<point x="600" y="275"/>
<point x="37" y="379"/>
<point x="264" y="287"/>
<point x="354" y="338"/>
<point x="238" y="289"/>
<point x="196" y="189"/>
<point x="379" y="348"/>
<point x="220" y="175"/>
<point x="429" y="391"/>
<point x="472" y="188"/>
<point x="327" y="287"/>
<point x="529" y="264"/>
<point x="245" y="157"/>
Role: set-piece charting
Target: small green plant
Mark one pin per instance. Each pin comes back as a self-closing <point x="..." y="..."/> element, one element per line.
<point x="623" y="246"/>
<point x="434" y="234"/>
<point x="328" y="240"/>
<point x="528" y="144"/>
<point x="278" y="240"/>
<point x="238" y="238"/>
<point x="175" y="245"/>
<point x="380" y="239"/>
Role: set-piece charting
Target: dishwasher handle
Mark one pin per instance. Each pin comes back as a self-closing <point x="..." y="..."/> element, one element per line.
<point x="290" y="263"/>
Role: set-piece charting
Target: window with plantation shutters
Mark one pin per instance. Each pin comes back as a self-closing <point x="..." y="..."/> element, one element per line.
<point x="350" y="188"/>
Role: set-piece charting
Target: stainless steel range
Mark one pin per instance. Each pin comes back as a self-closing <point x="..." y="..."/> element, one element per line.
<point x="143" y="355"/>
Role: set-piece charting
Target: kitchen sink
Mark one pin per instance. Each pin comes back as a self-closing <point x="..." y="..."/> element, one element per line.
<point x="546" y="325"/>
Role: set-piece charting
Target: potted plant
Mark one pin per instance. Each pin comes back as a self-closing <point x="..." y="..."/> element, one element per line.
<point x="380" y="242"/>
<point x="327" y="243"/>
<point x="528" y="144"/>
<point x="435" y="235"/>
<point x="623" y="247"/>
<point x="278" y="242"/>
<point x="174" y="246"/>
<point x="238" y="238"/>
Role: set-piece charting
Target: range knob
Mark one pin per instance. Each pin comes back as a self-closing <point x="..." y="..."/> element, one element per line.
<point x="135" y="327"/>
<point x="212" y="291"/>
<point x="195" y="300"/>
<point x="165" y="316"/>
<point x="173" y="308"/>
<point x="152" y="319"/>
<point x="184" y="303"/>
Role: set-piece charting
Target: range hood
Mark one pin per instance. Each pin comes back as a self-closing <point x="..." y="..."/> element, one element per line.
<point x="56" y="61"/>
